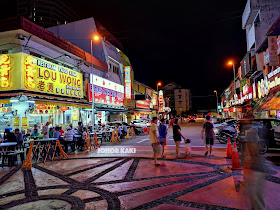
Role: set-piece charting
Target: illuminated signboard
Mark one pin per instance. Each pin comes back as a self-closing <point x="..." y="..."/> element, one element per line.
<point x="43" y="76"/>
<point x="144" y="104"/>
<point x="105" y="83"/>
<point x="34" y="74"/>
<point x="160" y="101"/>
<point x="127" y="81"/>
<point x="105" y="96"/>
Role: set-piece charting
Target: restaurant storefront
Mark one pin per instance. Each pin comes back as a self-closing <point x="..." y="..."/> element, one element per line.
<point x="108" y="100"/>
<point x="143" y="110"/>
<point x="34" y="91"/>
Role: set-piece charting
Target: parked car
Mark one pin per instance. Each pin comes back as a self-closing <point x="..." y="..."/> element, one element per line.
<point x="140" y="123"/>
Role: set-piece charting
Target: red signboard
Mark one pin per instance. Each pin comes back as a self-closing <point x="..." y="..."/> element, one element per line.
<point x="239" y="109"/>
<point x="226" y="109"/>
<point x="105" y="96"/>
<point x="144" y="104"/>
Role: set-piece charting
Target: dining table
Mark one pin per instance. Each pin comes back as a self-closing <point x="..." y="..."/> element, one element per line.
<point x="4" y="151"/>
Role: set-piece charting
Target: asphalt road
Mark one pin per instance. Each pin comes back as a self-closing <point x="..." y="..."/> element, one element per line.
<point x="191" y="131"/>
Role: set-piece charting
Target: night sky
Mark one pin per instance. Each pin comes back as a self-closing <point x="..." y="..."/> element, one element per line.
<point x="187" y="42"/>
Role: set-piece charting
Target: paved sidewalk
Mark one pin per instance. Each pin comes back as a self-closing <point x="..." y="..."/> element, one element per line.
<point x="130" y="181"/>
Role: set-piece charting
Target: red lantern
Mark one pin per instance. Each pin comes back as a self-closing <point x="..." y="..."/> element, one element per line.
<point x="40" y="106"/>
<point x="64" y="108"/>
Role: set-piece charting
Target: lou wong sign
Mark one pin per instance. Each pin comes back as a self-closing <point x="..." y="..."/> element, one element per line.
<point x="105" y="96"/>
<point x="22" y="71"/>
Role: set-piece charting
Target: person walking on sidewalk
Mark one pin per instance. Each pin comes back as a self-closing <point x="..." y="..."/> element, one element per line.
<point x="177" y="136"/>
<point x="208" y="130"/>
<point x="162" y="130"/>
<point x="154" y="140"/>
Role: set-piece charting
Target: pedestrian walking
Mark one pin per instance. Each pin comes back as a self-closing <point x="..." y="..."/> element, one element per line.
<point x="162" y="130"/>
<point x="255" y="169"/>
<point x="177" y="136"/>
<point x="154" y="140"/>
<point x="208" y="132"/>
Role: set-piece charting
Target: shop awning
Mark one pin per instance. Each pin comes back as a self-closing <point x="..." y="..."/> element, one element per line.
<point x="47" y="100"/>
<point x="272" y="103"/>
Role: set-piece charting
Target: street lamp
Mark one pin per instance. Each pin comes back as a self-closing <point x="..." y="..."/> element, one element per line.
<point x="233" y="68"/>
<point x="95" y="38"/>
<point x="158" y="84"/>
<point x="215" y="91"/>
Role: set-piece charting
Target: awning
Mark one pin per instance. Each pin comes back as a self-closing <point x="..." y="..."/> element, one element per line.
<point x="272" y="103"/>
<point x="47" y="100"/>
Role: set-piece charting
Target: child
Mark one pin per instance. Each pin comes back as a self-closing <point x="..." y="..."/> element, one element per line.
<point x="188" y="147"/>
<point x="84" y="136"/>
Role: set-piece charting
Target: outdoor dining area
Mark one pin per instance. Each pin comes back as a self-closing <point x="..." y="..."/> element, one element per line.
<point x="52" y="143"/>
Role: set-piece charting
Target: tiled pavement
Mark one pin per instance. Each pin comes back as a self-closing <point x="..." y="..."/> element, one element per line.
<point x="86" y="181"/>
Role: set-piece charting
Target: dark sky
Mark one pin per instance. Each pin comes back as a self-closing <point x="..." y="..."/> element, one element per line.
<point x="187" y="42"/>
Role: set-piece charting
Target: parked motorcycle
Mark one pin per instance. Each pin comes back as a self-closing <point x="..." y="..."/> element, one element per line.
<point x="225" y="133"/>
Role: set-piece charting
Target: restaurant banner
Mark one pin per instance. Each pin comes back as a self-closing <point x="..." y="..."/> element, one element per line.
<point x="105" y="96"/>
<point x="143" y="104"/>
<point x="42" y="76"/>
<point x="22" y="71"/>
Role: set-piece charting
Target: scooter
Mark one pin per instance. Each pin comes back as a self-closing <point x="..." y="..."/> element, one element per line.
<point x="224" y="134"/>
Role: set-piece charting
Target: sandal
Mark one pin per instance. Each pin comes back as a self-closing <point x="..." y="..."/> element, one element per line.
<point x="206" y="153"/>
<point x="157" y="164"/>
<point x="163" y="156"/>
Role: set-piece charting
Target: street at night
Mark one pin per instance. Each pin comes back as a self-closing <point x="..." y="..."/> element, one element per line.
<point x="139" y="105"/>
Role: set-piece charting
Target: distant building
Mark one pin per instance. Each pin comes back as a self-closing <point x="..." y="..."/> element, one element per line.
<point x="178" y="98"/>
<point x="46" y="13"/>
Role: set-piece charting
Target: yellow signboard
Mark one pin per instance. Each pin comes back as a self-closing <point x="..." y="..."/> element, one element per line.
<point x="38" y="75"/>
<point x="16" y="121"/>
<point x="10" y="75"/>
<point x="42" y="76"/>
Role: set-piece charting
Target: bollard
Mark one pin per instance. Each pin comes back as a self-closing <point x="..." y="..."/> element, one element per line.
<point x="27" y="163"/>
<point x="117" y="135"/>
<point x="96" y="144"/>
<point x="127" y="135"/>
<point x="113" y="140"/>
<point x="88" y="145"/>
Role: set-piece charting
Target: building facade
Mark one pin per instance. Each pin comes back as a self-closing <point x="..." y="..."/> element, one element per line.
<point x="256" y="83"/>
<point x="46" y="13"/>
<point x="177" y="98"/>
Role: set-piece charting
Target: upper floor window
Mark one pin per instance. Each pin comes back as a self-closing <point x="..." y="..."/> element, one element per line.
<point x="179" y="96"/>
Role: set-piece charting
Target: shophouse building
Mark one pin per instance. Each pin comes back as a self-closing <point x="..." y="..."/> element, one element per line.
<point x="43" y="77"/>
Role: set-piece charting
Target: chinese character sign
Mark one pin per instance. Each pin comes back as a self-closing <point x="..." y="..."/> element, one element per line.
<point x="272" y="46"/>
<point x="160" y="101"/>
<point x="105" y="96"/>
<point x="127" y="81"/>
<point x="5" y="68"/>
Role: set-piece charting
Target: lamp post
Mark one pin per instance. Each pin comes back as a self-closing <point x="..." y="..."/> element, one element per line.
<point x="95" y="38"/>
<point x="233" y="68"/>
<point x="158" y="84"/>
<point x="215" y="91"/>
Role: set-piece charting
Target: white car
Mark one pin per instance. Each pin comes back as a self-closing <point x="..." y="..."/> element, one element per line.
<point x="140" y="123"/>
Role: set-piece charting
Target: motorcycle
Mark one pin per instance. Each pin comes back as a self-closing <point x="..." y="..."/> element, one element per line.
<point x="225" y="133"/>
